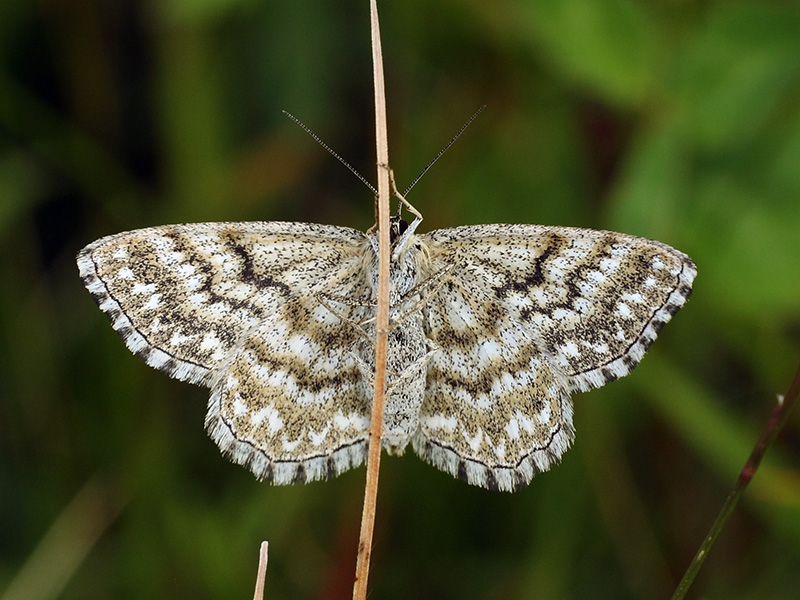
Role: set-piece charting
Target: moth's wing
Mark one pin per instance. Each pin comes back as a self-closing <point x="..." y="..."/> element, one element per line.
<point x="495" y="412"/>
<point x="291" y="403"/>
<point x="594" y="300"/>
<point x="181" y="296"/>
<point x="526" y="315"/>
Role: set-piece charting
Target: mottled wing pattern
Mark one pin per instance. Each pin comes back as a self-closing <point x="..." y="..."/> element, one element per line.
<point x="292" y="403"/>
<point x="528" y="315"/>
<point x="181" y="296"/>
<point x="235" y="307"/>
<point x="277" y="319"/>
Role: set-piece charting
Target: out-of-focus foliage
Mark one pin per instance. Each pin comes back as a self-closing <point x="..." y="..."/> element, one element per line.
<point x="673" y="120"/>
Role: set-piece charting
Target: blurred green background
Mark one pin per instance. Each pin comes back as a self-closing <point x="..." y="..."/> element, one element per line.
<point x="674" y="120"/>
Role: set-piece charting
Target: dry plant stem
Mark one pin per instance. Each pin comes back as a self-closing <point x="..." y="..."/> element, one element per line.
<point x="382" y="326"/>
<point x="777" y="420"/>
<point x="262" y="571"/>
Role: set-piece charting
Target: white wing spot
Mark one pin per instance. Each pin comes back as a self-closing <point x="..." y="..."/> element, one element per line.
<point x="120" y="253"/>
<point x="512" y="429"/>
<point x="635" y="298"/>
<point x="186" y="270"/>
<point x="143" y="288"/>
<point x="344" y="422"/>
<point x="500" y="450"/>
<point x="240" y="407"/>
<point x="475" y="441"/>
<point x="153" y="303"/>
<point x="317" y="439"/>
<point x="596" y="277"/>
<point x="562" y="314"/>
<point x="582" y="306"/>
<point x="198" y="299"/>
<point x="441" y="422"/>
<point x="570" y="349"/>
<point x="210" y="341"/>
<point x="178" y="339"/>
<point x="289" y="446"/>
<point x="545" y="415"/>
<point x="609" y="265"/>
<point x="195" y="282"/>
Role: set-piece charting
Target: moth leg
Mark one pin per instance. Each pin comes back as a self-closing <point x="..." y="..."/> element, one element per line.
<point x="358" y="325"/>
<point x="412" y="227"/>
<point x="409" y="372"/>
<point x="437" y="280"/>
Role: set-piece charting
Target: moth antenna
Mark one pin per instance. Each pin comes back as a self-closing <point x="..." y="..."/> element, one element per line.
<point x="330" y="150"/>
<point x="443" y="150"/>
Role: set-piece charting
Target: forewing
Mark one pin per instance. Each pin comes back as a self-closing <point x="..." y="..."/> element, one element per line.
<point x="495" y="413"/>
<point x="592" y="301"/>
<point x="292" y="403"/>
<point x="182" y="296"/>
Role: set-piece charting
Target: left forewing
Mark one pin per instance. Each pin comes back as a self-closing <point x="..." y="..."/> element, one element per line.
<point x="593" y="300"/>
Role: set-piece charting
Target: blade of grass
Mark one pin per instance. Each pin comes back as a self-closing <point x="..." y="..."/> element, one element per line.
<point x="67" y="543"/>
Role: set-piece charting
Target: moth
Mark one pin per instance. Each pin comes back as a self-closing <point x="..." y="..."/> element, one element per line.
<point x="492" y="329"/>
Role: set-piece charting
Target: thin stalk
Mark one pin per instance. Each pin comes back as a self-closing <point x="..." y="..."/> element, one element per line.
<point x="777" y="420"/>
<point x="382" y="326"/>
<point x="261" y="575"/>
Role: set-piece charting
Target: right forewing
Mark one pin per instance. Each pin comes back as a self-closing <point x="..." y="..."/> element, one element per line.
<point x="181" y="296"/>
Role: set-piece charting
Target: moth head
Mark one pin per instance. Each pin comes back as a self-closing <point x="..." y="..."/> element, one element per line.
<point x="397" y="227"/>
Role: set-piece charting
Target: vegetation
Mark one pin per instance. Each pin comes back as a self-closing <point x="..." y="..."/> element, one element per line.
<point x="678" y="121"/>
